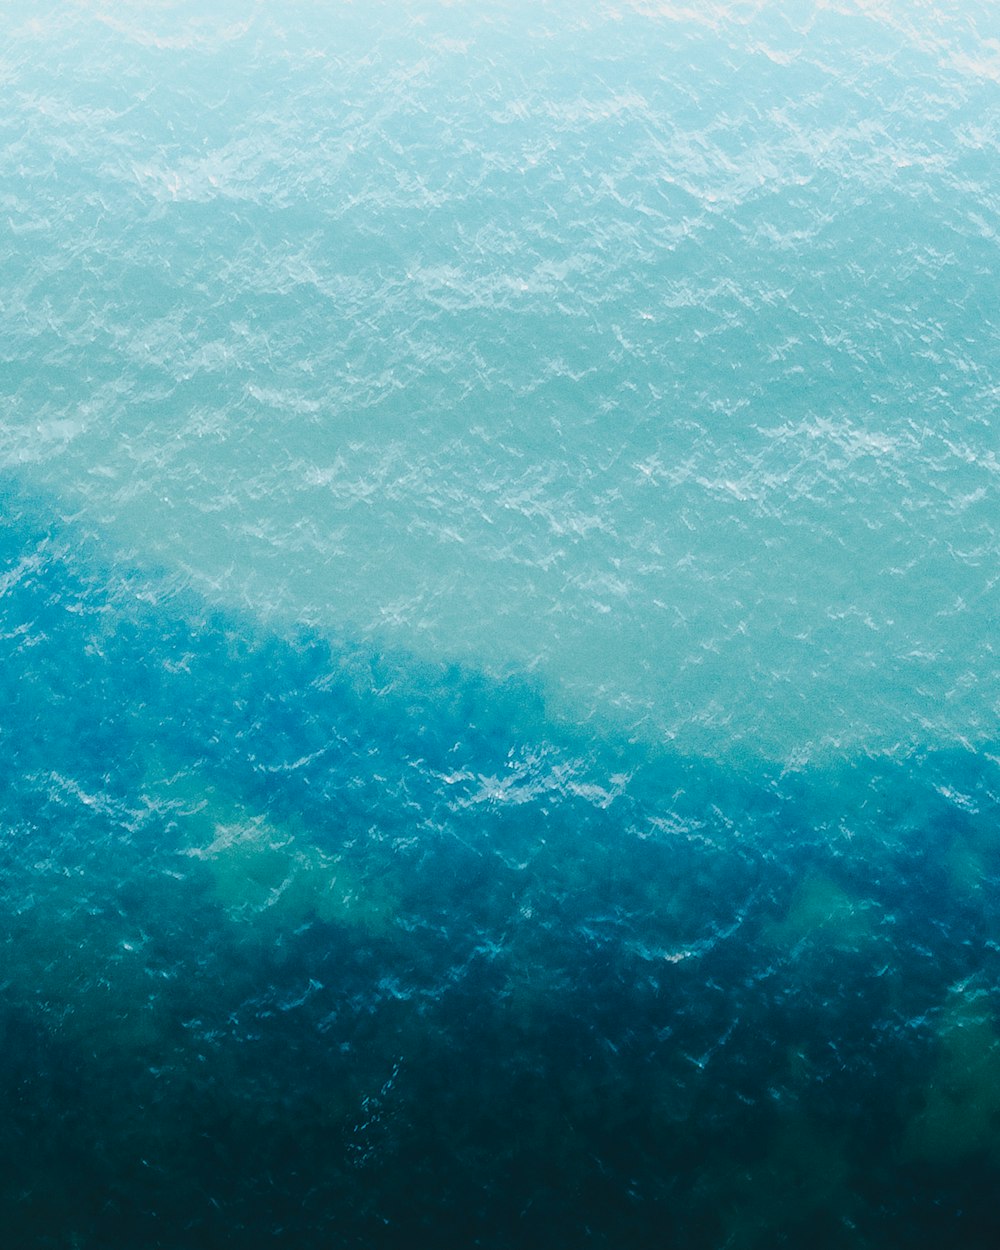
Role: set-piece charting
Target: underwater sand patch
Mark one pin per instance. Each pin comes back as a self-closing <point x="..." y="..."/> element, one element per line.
<point x="821" y="911"/>
<point x="271" y="875"/>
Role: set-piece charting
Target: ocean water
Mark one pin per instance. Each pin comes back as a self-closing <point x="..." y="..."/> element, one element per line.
<point x="499" y="586"/>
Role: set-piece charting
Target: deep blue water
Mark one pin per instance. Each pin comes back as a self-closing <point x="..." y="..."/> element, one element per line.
<point x="498" y="602"/>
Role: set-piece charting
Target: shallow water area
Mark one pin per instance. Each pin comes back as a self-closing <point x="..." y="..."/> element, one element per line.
<point x="648" y="354"/>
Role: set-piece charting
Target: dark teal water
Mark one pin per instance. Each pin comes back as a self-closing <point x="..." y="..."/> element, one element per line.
<point x="310" y="945"/>
<point x="498" y="603"/>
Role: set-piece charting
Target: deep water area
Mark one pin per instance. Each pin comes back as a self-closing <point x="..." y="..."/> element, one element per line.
<point x="499" y="581"/>
<point x="308" y="945"/>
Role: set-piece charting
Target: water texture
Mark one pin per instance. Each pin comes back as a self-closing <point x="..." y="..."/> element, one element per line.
<point x="498" y="610"/>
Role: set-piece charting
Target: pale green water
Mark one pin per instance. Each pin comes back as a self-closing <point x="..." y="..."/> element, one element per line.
<point x="654" y="355"/>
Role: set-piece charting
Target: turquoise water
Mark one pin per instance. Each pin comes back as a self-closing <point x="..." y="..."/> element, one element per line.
<point x="498" y="605"/>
